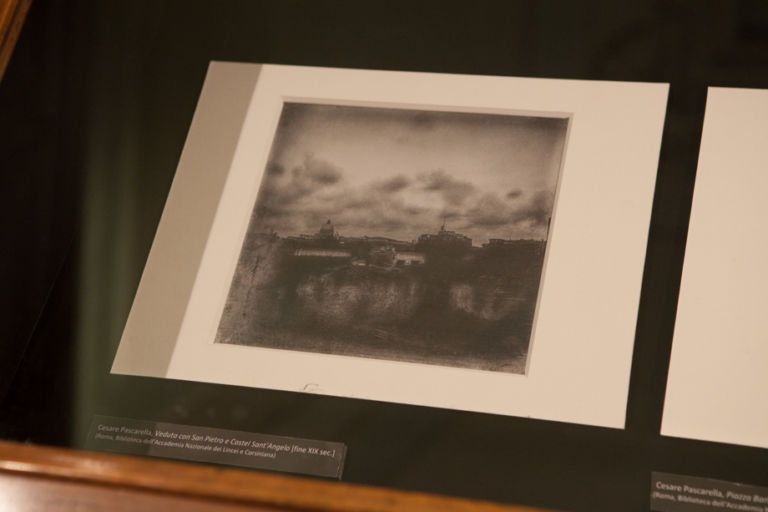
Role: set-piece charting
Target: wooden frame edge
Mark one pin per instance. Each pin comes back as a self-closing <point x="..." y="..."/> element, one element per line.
<point x="12" y="16"/>
<point x="208" y="482"/>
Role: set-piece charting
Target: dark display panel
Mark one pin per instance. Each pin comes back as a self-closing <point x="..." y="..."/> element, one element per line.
<point x="94" y="111"/>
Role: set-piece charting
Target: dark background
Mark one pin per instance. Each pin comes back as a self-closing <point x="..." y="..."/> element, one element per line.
<point x="94" y="110"/>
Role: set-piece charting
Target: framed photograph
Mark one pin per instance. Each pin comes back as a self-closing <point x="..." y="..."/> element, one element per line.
<point x="453" y="241"/>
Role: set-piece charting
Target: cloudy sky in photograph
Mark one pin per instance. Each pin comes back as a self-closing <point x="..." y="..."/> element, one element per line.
<point x="399" y="173"/>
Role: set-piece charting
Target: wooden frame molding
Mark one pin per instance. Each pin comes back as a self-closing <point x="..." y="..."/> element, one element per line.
<point x="276" y="492"/>
<point x="12" y="15"/>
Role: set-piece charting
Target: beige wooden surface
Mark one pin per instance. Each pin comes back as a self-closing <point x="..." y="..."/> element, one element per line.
<point x="34" y="477"/>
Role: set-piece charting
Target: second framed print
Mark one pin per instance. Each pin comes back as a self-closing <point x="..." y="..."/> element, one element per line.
<point x="453" y="241"/>
<point x="716" y="372"/>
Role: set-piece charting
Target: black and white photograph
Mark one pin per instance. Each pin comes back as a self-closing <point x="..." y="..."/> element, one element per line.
<point x="399" y="234"/>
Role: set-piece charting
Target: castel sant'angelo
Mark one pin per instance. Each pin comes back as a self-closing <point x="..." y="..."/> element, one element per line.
<point x="388" y="252"/>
